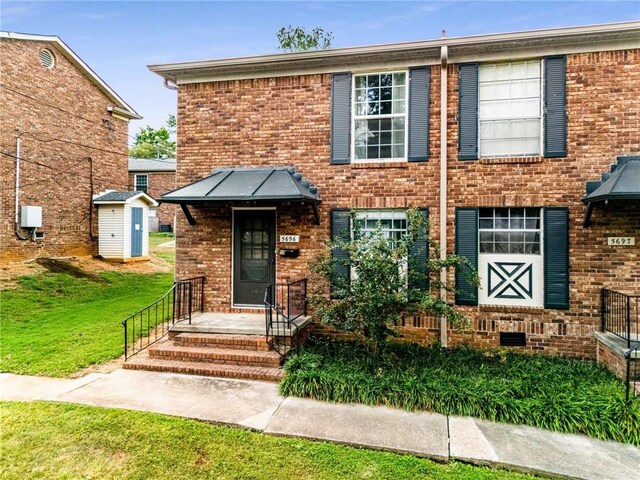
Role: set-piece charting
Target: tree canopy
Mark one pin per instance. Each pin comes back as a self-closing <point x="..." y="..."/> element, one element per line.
<point x="297" y="39"/>
<point x="155" y="143"/>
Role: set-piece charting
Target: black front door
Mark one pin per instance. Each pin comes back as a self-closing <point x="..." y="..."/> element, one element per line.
<point x="253" y="255"/>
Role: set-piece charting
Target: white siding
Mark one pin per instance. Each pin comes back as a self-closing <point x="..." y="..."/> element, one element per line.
<point x="111" y="227"/>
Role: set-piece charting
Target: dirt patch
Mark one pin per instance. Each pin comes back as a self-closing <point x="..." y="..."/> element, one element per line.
<point x="83" y="266"/>
<point x="107" y="367"/>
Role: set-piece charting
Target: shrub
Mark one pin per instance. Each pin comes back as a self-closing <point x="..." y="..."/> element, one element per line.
<point x="556" y="393"/>
<point x="387" y="281"/>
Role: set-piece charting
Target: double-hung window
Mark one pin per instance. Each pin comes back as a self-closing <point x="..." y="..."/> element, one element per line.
<point x="509" y="109"/>
<point x="380" y="116"/>
<point x="141" y="183"/>
<point x="392" y="224"/>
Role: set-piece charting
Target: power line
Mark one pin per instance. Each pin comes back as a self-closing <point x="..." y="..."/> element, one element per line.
<point x="58" y="173"/>
<point x="63" y="110"/>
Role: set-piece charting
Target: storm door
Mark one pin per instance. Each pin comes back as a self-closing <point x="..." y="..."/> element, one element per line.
<point x="253" y="255"/>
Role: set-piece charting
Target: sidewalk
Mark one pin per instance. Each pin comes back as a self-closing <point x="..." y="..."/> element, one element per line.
<point x="257" y="405"/>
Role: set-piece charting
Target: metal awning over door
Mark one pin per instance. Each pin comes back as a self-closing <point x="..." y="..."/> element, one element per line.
<point x="621" y="183"/>
<point x="259" y="184"/>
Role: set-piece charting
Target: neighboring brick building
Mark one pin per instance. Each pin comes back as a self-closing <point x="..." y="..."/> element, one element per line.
<point x="155" y="176"/>
<point x="530" y="118"/>
<point x="72" y="129"/>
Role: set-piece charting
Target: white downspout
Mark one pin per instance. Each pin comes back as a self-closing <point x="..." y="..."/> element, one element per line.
<point x="443" y="185"/>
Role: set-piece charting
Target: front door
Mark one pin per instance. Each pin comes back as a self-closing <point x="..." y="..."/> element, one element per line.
<point x="253" y="255"/>
<point x="136" y="232"/>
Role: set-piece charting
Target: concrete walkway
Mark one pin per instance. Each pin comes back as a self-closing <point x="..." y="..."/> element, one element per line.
<point x="257" y="405"/>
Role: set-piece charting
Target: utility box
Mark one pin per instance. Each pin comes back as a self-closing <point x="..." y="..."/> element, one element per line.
<point x="31" y="217"/>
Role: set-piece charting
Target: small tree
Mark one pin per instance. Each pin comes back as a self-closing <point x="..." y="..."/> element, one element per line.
<point x="297" y="39"/>
<point x="155" y="143"/>
<point x="386" y="282"/>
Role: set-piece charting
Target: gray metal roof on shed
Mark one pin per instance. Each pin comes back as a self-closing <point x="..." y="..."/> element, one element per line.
<point x="246" y="184"/>
<point x="115" y="196"/>
<point x="623" y="183"/>
<point x="152" y="164"/>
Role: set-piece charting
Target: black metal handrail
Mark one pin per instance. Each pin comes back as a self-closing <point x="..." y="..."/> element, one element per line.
<point x="152" y="323"/>
<point x="633" y="370"/>
<point x="620" y="313"/>
<point x="284" y="303"/>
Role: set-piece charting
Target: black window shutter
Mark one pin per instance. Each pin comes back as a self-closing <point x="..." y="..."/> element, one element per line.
<point x="466" y="246"/>
<point x="468" y="111"/>
<point x="340" y="230"/>
<point x="419" y="81"/>
<point x="556" y="257"/>
<point x="555" y="106"/>
<point x="420" y="255"/>
<point x="340" y="118"/>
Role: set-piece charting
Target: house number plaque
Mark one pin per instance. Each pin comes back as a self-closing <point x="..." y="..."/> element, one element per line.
<point x="289" y="238"/>
<point x="621" y="241"/>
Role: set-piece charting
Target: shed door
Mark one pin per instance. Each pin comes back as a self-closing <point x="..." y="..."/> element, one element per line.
<point x="253" y="255"/>
<point x="136" y="231"/>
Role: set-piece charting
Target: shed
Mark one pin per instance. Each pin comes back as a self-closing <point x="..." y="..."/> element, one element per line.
<point x="123" y="225"/>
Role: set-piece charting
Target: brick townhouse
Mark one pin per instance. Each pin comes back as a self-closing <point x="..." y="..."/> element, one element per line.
<point x="524" y="146"/>
<point x="69" y="129"/>
<point x="155" y="176"/>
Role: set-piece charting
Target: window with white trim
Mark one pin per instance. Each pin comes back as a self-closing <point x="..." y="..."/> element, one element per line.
<point x="509" y="108"/>
<point x="141" y="183"/>
<point x="380" y="116"/>
<point x="392" y="224"/>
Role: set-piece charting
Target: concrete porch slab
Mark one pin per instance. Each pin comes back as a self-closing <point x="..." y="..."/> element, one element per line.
<point x="238" y="402"/>
<point x="423" y="434"/>
<point x="229" y="323"/>
<point x="533" y="450"/>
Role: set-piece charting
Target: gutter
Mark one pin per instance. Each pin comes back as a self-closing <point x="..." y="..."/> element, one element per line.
<point x="612" y="36"/>
<point x="444" y="57"/>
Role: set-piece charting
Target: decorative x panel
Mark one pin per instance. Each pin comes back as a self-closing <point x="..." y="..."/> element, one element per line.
<point x="510" y="280"/>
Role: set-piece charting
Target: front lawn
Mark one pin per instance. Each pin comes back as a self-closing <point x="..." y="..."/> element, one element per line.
<point x="555" y="393"/>
<point x="46" y="440"/>
<point x="57" y="323"/>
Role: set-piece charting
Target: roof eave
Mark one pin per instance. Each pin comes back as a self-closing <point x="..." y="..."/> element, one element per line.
<point x="423" y="51"/>
<point x="124" y="109"/>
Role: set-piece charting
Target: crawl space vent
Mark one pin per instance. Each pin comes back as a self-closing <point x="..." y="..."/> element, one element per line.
<point x="512" y="339"/>
<point x="46" y="58"/>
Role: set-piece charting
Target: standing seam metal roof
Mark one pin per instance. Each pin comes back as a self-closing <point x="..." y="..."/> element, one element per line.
<point x="246" y="184"/>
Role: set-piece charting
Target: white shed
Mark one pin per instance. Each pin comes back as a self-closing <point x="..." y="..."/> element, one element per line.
<point x="123" y="225"/>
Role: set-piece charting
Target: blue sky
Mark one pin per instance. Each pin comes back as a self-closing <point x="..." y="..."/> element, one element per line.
<point x="118" y="39"/>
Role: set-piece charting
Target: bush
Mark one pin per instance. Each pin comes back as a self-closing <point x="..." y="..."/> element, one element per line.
<point x="555" y="393"/>
<point x="386" y="280"/>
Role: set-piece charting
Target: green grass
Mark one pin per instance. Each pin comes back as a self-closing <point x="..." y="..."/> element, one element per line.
<point x="55" y="324"/>
<point x="156" y="238"/>
<point x="168" y="254"/>
<point x="45" y="440"/>
<point x="555" y="393"/>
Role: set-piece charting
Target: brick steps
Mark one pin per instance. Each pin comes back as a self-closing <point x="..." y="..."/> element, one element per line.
<point x="214" y="355"/>
<point x="166" y="350"/>
<point x="205" y="369"/>
<point x="221" y="340"/>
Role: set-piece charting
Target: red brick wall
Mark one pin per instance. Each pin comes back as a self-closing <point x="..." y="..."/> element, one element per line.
<point x="159" y="183"/>
<point x="285" y="121"/>
<point x="55" y="174"/>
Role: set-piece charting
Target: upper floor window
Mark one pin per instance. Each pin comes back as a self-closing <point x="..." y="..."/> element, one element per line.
<point x="379" y="116"/>
<point x="509" y="109"/>
<point x="141" y="183"/>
